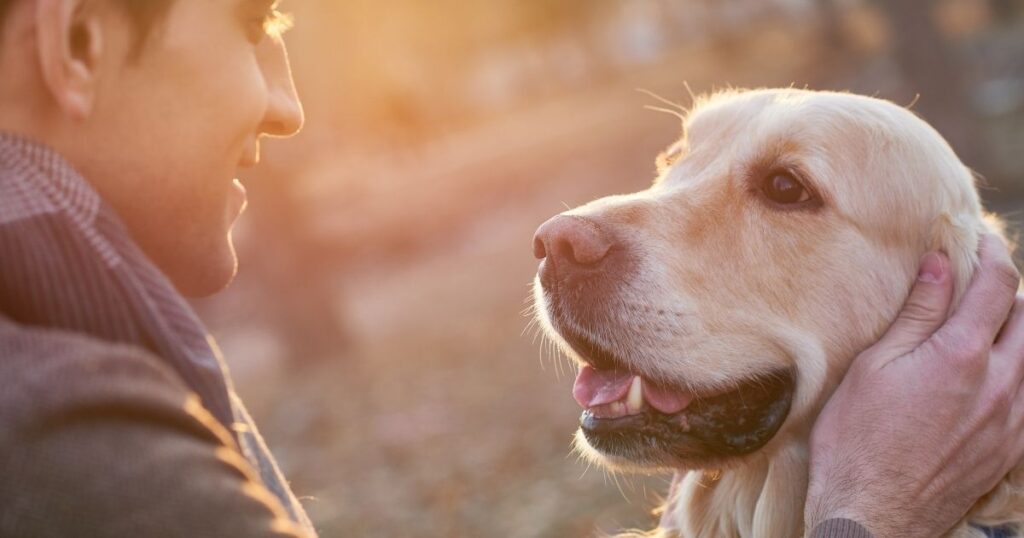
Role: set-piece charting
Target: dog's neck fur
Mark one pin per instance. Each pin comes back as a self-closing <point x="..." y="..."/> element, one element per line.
<point x="764" y="497"/>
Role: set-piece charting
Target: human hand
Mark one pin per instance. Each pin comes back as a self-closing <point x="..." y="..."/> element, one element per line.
<point x="930" y="418"/>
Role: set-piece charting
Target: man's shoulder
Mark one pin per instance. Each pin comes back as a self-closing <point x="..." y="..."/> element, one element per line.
<point x="108" y="439"/>
<point x="46" y="373"/>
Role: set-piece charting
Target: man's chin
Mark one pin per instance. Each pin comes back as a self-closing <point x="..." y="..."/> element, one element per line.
<point x="203" y="274"/>
<point x="205" y="286"/>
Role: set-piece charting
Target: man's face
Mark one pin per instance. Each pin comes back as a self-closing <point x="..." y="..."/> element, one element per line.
<point x="171" y="127"/>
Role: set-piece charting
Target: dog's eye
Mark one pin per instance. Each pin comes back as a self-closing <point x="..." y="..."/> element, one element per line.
<point x="784" y="189"/>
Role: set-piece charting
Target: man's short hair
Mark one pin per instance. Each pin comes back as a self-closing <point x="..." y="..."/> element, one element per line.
<point x="144" y="15"/>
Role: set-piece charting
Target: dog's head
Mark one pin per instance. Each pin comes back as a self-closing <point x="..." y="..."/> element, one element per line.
<point x="712" y="314"/>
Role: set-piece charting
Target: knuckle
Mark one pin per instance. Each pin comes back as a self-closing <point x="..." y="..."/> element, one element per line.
<point x="975" y="347"/>
<point x="999" y="401"/>
<point x="965" y="348"/>
<point x="1007" y="274"/>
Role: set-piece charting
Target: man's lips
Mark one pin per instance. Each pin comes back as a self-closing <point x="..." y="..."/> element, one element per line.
<point x="239" y="197"/>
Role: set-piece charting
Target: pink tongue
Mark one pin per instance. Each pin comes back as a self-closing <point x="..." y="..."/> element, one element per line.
<point x="666" y="400"/>
<point x="599" y="387"/>
<point x="594" y="387"/>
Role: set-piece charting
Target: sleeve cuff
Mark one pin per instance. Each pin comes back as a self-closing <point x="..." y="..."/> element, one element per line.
<point x="840" y="528"/>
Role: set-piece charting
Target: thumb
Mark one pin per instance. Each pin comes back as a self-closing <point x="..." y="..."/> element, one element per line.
<point x="926" y="308"/>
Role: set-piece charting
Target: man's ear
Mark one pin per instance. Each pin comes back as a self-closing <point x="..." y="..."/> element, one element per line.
<point x="69" y="42"/>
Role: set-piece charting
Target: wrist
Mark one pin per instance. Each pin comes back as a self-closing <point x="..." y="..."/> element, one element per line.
<point x="816" y="515"/>
<point x="825" y="503"/>
<point x="878" y="516"/>
<point x="839" y="528"/>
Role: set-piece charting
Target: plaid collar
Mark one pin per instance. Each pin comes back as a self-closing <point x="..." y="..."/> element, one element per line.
<point x="81" y="258"/>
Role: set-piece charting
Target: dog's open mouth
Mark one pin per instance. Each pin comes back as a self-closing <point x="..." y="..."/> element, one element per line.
<point x="631" y="417"/>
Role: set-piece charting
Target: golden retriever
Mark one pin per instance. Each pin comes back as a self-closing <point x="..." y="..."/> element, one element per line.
<point x="712" y="314"/>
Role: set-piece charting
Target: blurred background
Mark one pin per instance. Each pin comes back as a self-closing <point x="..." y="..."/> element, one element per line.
<point x="377" y="328"/>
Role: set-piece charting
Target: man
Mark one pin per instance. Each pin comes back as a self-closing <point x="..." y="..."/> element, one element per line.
<point x="123" y="123"/>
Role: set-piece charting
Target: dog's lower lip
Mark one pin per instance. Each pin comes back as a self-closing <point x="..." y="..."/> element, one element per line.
<point x="595" y="424"/>
<point x="733" y="423"/>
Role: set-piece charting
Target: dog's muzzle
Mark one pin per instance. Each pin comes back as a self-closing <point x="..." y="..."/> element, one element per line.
<point x="583" y="270"/>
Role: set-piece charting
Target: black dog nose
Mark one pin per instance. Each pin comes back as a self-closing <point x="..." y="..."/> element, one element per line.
<point x="571" y="240"/>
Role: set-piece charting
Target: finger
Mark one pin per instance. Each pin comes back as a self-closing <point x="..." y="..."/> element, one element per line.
<point x="925" y="309"/>
<point x="991" y="294"/>
<point x="1008" y="351"/>
<point x="1011" y="336"/>
<point x="1015" y="423"/>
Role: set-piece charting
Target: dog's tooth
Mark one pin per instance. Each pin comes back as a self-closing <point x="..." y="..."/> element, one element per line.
<point x="635" y="399"/>
<point x="618" y="410"/>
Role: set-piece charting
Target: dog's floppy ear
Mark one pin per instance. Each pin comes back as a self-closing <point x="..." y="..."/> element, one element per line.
<point x="958" y="235"/>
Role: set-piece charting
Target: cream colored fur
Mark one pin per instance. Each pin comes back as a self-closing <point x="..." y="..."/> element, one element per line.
<point x="729" y="286"/>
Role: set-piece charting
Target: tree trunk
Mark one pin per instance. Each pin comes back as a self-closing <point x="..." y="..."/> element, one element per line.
<point x="934" y="72"/>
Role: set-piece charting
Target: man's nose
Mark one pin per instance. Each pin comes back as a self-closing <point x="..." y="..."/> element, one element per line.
<point x="284" y="116"/>
<point x="571" y="242"/>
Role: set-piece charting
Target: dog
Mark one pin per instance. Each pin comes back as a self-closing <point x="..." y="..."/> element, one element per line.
<point x="712" y="315"/>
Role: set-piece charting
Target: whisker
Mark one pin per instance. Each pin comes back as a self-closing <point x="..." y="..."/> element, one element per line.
<point x="676" y="106"/>
<point x="618" y="486"/>
<point x="689" y="90"/>
<point x="667" y="111"/>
